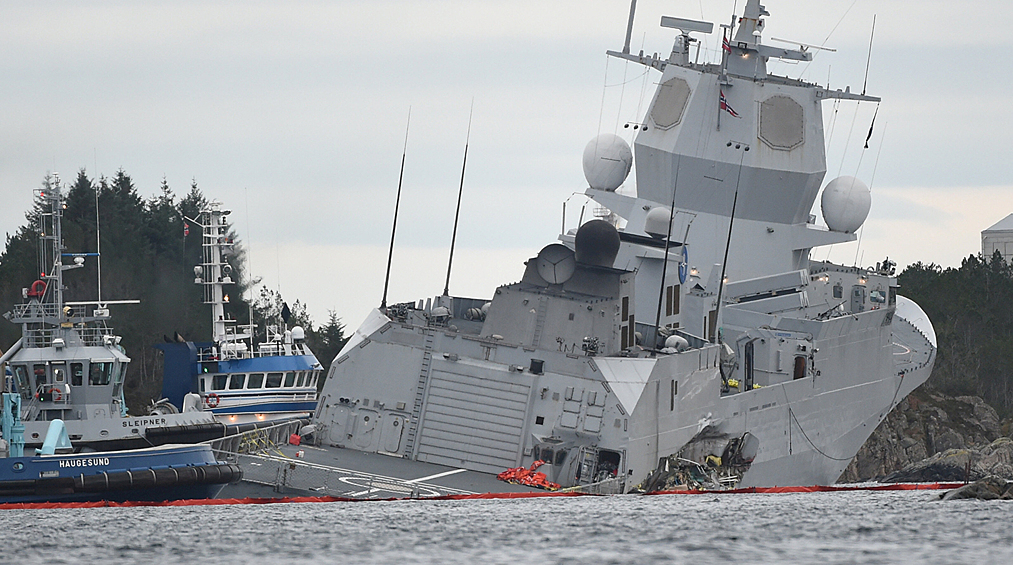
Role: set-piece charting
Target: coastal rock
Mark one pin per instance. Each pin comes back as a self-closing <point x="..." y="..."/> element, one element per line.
<point x="924" y="424"/>
<point x="960" y="464"/>
<point x="988" y="488"/>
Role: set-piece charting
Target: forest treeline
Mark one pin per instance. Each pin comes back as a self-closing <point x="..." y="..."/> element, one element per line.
<point x="148" y="251"/>
<point x="971" y="309"/>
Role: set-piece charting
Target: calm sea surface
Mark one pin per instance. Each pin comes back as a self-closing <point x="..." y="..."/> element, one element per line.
<point x="853" y="527"/>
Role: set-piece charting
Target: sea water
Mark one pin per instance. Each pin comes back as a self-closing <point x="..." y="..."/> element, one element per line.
<point x="843" y="527"/>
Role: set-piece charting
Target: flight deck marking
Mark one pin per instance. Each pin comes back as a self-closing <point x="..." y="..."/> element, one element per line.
<point x="436" y="476"/>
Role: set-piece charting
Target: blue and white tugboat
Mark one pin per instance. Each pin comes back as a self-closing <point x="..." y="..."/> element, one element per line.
<point x="55" y="473"/>
<point x="238" y="381"/>
<point x="69" y="366"/>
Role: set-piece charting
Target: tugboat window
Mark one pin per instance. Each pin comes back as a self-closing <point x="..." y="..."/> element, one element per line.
<point x="289" y="379"/>
<point x="21" y="373"/>
<point x="40" y="376"/>
<point x="273" y="380"/>
<point x="218" y="382"/>
<point x="76" y="374"/>
<point x="237" y="381"/>
<point x="302" y="379"/>
<point x="256" y="380"/>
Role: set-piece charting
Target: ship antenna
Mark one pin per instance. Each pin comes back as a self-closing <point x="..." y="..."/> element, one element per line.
<point x="98" y="247"/>
<point x="664" y="266"/>
<point x="629" y="26"/>
<point x="869" y="60"/>
<point x="397" y="204"/>
<point x="460" y="191"/>
<point x="731" y="221"/>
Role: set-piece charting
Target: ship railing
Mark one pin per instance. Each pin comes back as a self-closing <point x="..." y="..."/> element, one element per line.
<point x="34" y="310"/>
<point x="614" y="485"/>
<point x="209" y="355"/>
<point x="260" y="440"/>
<point x="89" y="336"/>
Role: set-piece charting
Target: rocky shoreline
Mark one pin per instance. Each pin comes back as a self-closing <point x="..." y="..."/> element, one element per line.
<point x="931" y="437"/>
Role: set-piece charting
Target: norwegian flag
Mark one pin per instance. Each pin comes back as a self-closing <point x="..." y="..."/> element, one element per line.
<point x="186" y="229"/>
<point x="726" y="45"/>
<point x="726" y="107"/>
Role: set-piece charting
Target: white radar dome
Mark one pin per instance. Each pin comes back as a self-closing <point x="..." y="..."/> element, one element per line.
<point x="846" y="202"/>
<point x="607" y="162"/>
<point x="657" y="221"/>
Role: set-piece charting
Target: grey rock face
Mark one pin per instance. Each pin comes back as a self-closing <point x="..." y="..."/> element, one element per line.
<point x="988" y="488"/>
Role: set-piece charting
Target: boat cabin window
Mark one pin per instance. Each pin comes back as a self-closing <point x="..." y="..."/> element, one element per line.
<point x="289" y="379"/>
<point x="878" y="296"/>
<point x="203" y="387"/>
<point x="21" y="374"/>
<point x="313" y="380"/>
<point x="76" y="374"/>
<point x="237" y="381"/>
<point x="256" y="380"/>
<point x="40" y="376"/>
<point x="273" y="380"/>
<point x="302" y="378"/>
<point x="59" y="373"/>
<point x="218" y="382"/>
<point x="100" y="373"/>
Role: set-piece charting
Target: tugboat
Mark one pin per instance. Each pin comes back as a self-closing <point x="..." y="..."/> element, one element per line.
<point x="69" y="366"/>
<point x="696" y="344"/>
<point x="240" y="384"/>
<point x="56" y="474"/>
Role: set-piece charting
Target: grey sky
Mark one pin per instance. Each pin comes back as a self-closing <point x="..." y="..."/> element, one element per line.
<point x="293" y="114"/>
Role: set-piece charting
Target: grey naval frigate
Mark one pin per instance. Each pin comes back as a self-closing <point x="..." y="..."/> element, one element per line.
<point x="698" y="333"/>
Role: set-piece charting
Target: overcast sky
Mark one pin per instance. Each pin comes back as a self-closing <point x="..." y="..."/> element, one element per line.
<point x="293" y="114"/>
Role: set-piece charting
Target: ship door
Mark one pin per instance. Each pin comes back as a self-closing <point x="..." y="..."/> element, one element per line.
<point x="390" y="433"/>
<point x="857" y="299"/>
<point x="364" y="428"/>
<point x="338" y="428"/>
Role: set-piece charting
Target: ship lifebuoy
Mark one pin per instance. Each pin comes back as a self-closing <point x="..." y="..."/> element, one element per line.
<point x="55" y="394"/>
<point x="212" y="400"/>
<point x="38" y="289"/>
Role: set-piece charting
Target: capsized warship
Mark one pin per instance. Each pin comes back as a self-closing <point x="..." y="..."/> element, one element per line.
<point x="700" y="334"/>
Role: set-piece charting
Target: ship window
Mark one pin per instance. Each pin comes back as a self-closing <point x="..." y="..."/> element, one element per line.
<point x="675" y="392"/>
<point x="672" y="295"/>
<point x="302" y="379"/>
<point x="237" y="381"/>
<point x="560" y="457"/>
<point x="893" y="295"/>
<point x="314" y="379"/>
<point x="273" y="380"/>
<point x="202" y="387"/>
<point x="100" y="373"/>
<point x="40" y="376"/>
<point x="539" y="420"/>
<point x="256" y="380"/>
<point x="121" y="371"/>
<point x="59" y="373"/>
<point x="218" y="382"/>
<point x="838" y="291"/>
<point x="877" y="296"/>
<point x="289" y="379"/>
<point x="547" y="455"/>
<point x="21" y="373"/>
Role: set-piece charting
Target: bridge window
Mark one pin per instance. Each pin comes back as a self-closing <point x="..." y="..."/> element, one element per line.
<point x="218" y="382"/>
<point x="237" y="381"/>
<point x="302" y="378"/>
<point x="40" y="375"/>
<point x="76" y="374"/>
<point x="256" y="380"/>
<point x="289" y="379"/>
<point x="273" y="380"/>
<point x="100" y="373"/>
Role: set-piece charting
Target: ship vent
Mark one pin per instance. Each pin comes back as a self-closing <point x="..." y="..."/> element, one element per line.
<point x="670" y="103"/>
<point x="782" y="123"/>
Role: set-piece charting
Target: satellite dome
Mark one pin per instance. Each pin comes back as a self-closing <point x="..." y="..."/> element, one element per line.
<point x="846" y="202"/>
<point x="298" y="333"/>
<point x="555" y="263"/>
<point x="607" y="162"/>
<point x="596" y="243"/>
<point x="657" y="221"/>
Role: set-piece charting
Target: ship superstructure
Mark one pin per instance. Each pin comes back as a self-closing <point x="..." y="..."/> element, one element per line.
<point x="698" y="342"/>
<point x="241" y="383"/>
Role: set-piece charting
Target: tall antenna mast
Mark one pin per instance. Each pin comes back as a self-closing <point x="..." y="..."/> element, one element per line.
<point x="664" y="266"/>
<point x="731" y="223"/>
<point x="460" y="191"/>
<point x="869" y="60"/>
<point x="98" y="247"/>
<point x="629" y="27"/>
<point x="397" y="204"/>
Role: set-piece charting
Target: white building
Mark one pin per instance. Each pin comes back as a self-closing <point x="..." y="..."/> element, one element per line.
<point x="999" y="236"/>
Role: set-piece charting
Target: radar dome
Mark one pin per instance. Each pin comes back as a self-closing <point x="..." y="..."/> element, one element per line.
<point x="596" y="243"/>
<point x="607" y="162"/>
<point x="846" y="202"/>
<point x="555" y="263"/>
<point x="657" y="221"/>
